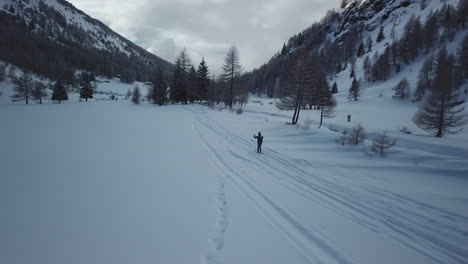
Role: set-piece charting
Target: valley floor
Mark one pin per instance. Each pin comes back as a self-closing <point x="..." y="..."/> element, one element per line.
<point x="110" y="182"/>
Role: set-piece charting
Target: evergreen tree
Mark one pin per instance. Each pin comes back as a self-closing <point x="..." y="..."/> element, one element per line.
<point x="352" y="72"/>
<point x="284" y="51"/>
<point x="462" y="12"/>
<point x="381" y="35"/>
<point x="367" y="69"/>
<point x="354" y="91"/>
<point x="382" y="67"/>
<point x="402" y="89"/>
<point x="23" y="87"/>
<point x="334" y="89"/>
<point x="327" y="104"/>
<point x="425" y="79"/>
<point x="179" y="87"/>
<point x="128" y="94"/>
<point x="2" y="73"/>
<point x="86" y="91"/>
<point x="462" y="55"/>
<point x="369" y="44"/>
<point x="231" y="72"/>
<point x="136" y="95"/>
<point x="192" y="85"/>
<point x="39" y="92"/>
<point x="60" y="93"/>
<point x="361" y="50"/>
<point x="431" y="29"/>
<point x="203" y="81"/>
<point x="298" y="86"/>
<point x="442" y="113"/>
<point x="159" y="88"/>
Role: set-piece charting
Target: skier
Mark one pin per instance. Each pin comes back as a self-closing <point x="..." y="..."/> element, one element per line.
<point x="259" y="142"/>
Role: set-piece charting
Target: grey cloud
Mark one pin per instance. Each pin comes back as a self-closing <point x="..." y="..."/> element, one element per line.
<point x="208" y="27"/>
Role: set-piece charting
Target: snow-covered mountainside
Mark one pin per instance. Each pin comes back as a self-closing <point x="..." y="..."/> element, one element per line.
<point x="64" y="29"/>
<point x="336" y="38"/>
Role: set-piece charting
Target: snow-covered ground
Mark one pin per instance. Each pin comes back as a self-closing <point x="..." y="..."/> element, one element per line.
<point x="112" y="182"/>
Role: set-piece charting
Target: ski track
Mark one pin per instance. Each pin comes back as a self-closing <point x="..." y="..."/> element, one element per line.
<point x="433" y="232"/>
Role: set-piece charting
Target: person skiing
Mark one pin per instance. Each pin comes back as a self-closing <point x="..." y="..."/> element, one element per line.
<point x="259" y="142"/>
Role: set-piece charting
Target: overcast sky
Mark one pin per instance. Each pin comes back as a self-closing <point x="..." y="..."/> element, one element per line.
<point x="207" y="28"/>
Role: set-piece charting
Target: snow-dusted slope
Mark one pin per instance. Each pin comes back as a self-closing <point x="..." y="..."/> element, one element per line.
<point x="97" y="34"/>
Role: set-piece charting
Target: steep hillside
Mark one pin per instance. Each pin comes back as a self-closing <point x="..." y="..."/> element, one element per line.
<point x="411" y="29"/>
<point x="53" y="38"/>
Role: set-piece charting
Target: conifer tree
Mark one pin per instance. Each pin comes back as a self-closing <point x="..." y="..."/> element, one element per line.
<point x="23" y="87"/>
<point x="86" y="91"/>
<point x="367" y="69"/>
<point x="334" y="89"/>
<point x="128" y="94"/>
<point x="39" y="92"/>
<point x="159" y="88"/>
<point x="354" y="91"/>
<point x="402" y="89"/>
<point x="462" y="55"/>
<point x="298" y="86"/>
<point x="381" y="35"/>
<point x="203" y="81"/>
<point x="442" y="113"/>
<point x="179" y="86"/>
<point x="425" y="79"/>
<point x="361" y="50"/>
<point x="369" y="44"/>
<point x="192" y="92"/>
<point x="136" y="95"/>
<point x="231" y="73"/>
<point x="2" y="73"/>
<point x="60" y="93"/>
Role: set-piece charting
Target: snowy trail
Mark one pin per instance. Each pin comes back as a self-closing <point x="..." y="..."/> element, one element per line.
<point x="433" y="233"/>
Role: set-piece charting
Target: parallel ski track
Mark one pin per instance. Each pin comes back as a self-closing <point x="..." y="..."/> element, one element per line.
<point x="440" y="235"/>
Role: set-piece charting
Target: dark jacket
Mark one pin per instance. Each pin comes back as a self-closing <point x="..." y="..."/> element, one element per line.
<point x="259" y="139"/>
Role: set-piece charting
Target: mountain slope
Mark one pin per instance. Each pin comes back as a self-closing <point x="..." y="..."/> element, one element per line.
<point x="336" y="38"/>
<point x="46" y="35"/>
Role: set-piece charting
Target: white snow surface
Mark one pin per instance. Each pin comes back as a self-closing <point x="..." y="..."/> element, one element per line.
<point x="112" y="182"/>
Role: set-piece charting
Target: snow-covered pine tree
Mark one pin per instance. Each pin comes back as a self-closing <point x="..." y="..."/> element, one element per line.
<point x="23" y="87"/>
<point x="60" y="93"/>
<point x="402" y="89"/>
<point x="381" y="143"/>
<point x="39" y="92"/>
<point x="354" y="91"/>
<point x="136" y="95"/>
<point x="442" y="113"/>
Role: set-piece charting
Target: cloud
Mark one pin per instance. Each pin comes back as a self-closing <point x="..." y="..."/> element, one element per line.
<point x="207" y="28"/>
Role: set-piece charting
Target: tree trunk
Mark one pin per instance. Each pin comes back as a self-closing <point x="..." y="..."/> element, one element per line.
<point x="321" y="117"/>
